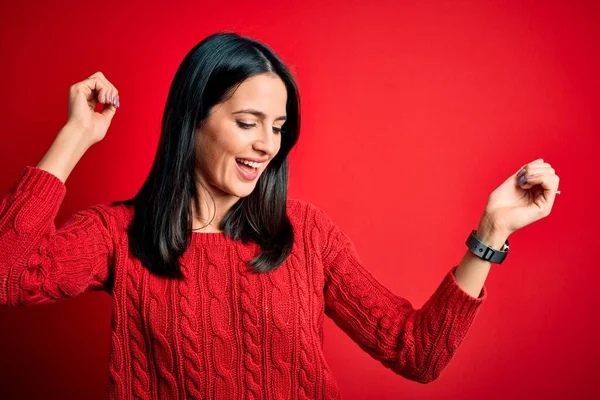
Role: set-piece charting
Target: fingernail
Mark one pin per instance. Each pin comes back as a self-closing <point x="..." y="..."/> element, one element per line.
<point x="102" y="99"/>
<point x="521" y="172"/>
<point x="118" y="103"/>
<point x="522" y="180"/>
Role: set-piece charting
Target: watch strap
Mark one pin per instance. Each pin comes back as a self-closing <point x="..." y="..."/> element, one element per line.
<point x="484" y="251"/>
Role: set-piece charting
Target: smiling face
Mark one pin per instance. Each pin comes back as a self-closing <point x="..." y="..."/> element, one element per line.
<point x="247" y="126"/>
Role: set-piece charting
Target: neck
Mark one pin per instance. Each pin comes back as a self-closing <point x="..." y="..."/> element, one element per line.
<point x="209" y="208"/>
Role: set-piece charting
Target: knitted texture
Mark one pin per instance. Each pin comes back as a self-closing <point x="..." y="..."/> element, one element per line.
<point x="224" y="332"/>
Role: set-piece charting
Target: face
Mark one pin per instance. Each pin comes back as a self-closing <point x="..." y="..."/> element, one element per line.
<point x="247" y="126"/>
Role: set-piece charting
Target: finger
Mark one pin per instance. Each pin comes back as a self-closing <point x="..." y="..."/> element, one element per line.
<point x="549" y="184"/>
<point x="525" y="169"/>
<point x="98" y="87"/>
<point x="548" y="181"/>
<point x="110" y="96"/>
<point x="105" y="90"/>
<point x="103" y="95"/>
<point x="109" y="111"/>
<point x="539" y="160"/>
<point x="533" y="170"/>
<point x="541" y="164"/>
<point x="115" y="97"/>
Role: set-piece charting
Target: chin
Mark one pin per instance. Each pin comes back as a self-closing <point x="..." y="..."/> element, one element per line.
<point x="240" y="190"/>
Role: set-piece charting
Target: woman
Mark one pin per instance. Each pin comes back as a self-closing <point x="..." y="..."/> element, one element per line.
<point x="220" y="282"/>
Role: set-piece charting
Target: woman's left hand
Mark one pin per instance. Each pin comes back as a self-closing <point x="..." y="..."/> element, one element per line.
<point x="525" y="197"/>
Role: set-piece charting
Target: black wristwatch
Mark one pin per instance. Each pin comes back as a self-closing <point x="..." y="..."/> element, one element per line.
<point x="484" y="251"/>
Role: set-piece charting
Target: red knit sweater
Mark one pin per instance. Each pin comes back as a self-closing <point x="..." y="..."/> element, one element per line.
<point x="224" y="332"/>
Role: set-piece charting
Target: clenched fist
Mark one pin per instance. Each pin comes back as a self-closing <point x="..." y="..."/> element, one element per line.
<point x="83" y="98"/>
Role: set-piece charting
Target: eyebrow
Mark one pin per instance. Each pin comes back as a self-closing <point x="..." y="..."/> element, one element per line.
<point x="258" y="114"/>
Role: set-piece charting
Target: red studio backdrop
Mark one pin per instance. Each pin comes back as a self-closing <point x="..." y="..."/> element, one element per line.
<point x="413" y="113"/>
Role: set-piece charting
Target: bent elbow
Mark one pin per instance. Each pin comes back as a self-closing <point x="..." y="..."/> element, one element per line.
<point x="421" y="377"/>
<point x="426" y="378"/>
<point x="418" y="375"/>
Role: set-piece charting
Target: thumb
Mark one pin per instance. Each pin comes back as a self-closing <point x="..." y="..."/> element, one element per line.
<point x="109" y="111"/>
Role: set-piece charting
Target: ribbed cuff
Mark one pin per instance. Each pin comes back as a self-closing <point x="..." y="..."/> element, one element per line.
<point x="452" y="297"/>
<point x="42" y="184"/>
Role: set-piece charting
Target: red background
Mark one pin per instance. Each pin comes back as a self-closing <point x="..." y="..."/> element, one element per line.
<point x="412" y="115"/>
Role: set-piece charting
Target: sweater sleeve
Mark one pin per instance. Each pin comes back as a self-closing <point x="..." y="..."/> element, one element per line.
<point x="39" y="263"/>
<point x="414" y="343"/>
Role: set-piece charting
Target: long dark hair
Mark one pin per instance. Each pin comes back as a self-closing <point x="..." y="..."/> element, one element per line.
<point x="161" y="229"/>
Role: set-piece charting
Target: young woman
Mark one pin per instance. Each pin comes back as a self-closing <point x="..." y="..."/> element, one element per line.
<point x="220" y="282"/>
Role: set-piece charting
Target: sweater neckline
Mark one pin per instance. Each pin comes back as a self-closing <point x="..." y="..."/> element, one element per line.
<point x="210" y="238"/>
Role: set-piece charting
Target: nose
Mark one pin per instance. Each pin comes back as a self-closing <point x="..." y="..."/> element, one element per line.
<point x="266" y="142"/>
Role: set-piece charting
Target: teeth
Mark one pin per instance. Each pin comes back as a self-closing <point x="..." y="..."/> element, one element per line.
<point x="249" y="163"/>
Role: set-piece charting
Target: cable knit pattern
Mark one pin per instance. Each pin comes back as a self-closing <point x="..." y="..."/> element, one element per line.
<point x="386" y="325"/>
<point x="306" y="379"/>
<point x="252" y="339"/>
<point x="192" y="363"/>
<point x="159" y="329"/>
<point x="137" y="346"/>
<point x="224" y="332"/>
<point x="50" y="265"/>
<point x="280" y="314"/>
<point x="115" y="368"/>
<point x="117" y="355"/>
<point x="220" y="324"/>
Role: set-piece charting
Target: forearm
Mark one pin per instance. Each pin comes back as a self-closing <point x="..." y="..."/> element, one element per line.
<point x="67" y="149"/>
<point x="472" y="271"/>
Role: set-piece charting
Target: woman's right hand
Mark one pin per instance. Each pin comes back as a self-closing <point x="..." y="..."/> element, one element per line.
<point x="83" y="98"/>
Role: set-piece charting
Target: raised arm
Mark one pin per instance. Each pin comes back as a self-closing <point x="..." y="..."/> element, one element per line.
<point x="39" y="263"/>
<point x="415" y="343"/>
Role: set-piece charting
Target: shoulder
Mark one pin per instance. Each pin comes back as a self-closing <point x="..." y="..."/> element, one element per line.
<point x="114" y="217"/>
<point x="304" y="210"/>
<point x="295" y="205"/>
<point x="308" y="216"/>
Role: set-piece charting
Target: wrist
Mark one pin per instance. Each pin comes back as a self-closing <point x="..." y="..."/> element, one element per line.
<point x="491" y="233"/>
<point x="76" y="134"/>
<point x="65" y="152"/>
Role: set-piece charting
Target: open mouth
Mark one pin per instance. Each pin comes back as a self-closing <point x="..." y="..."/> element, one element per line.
<point x="249" y="165"/>
<point x="247" y="169"/>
